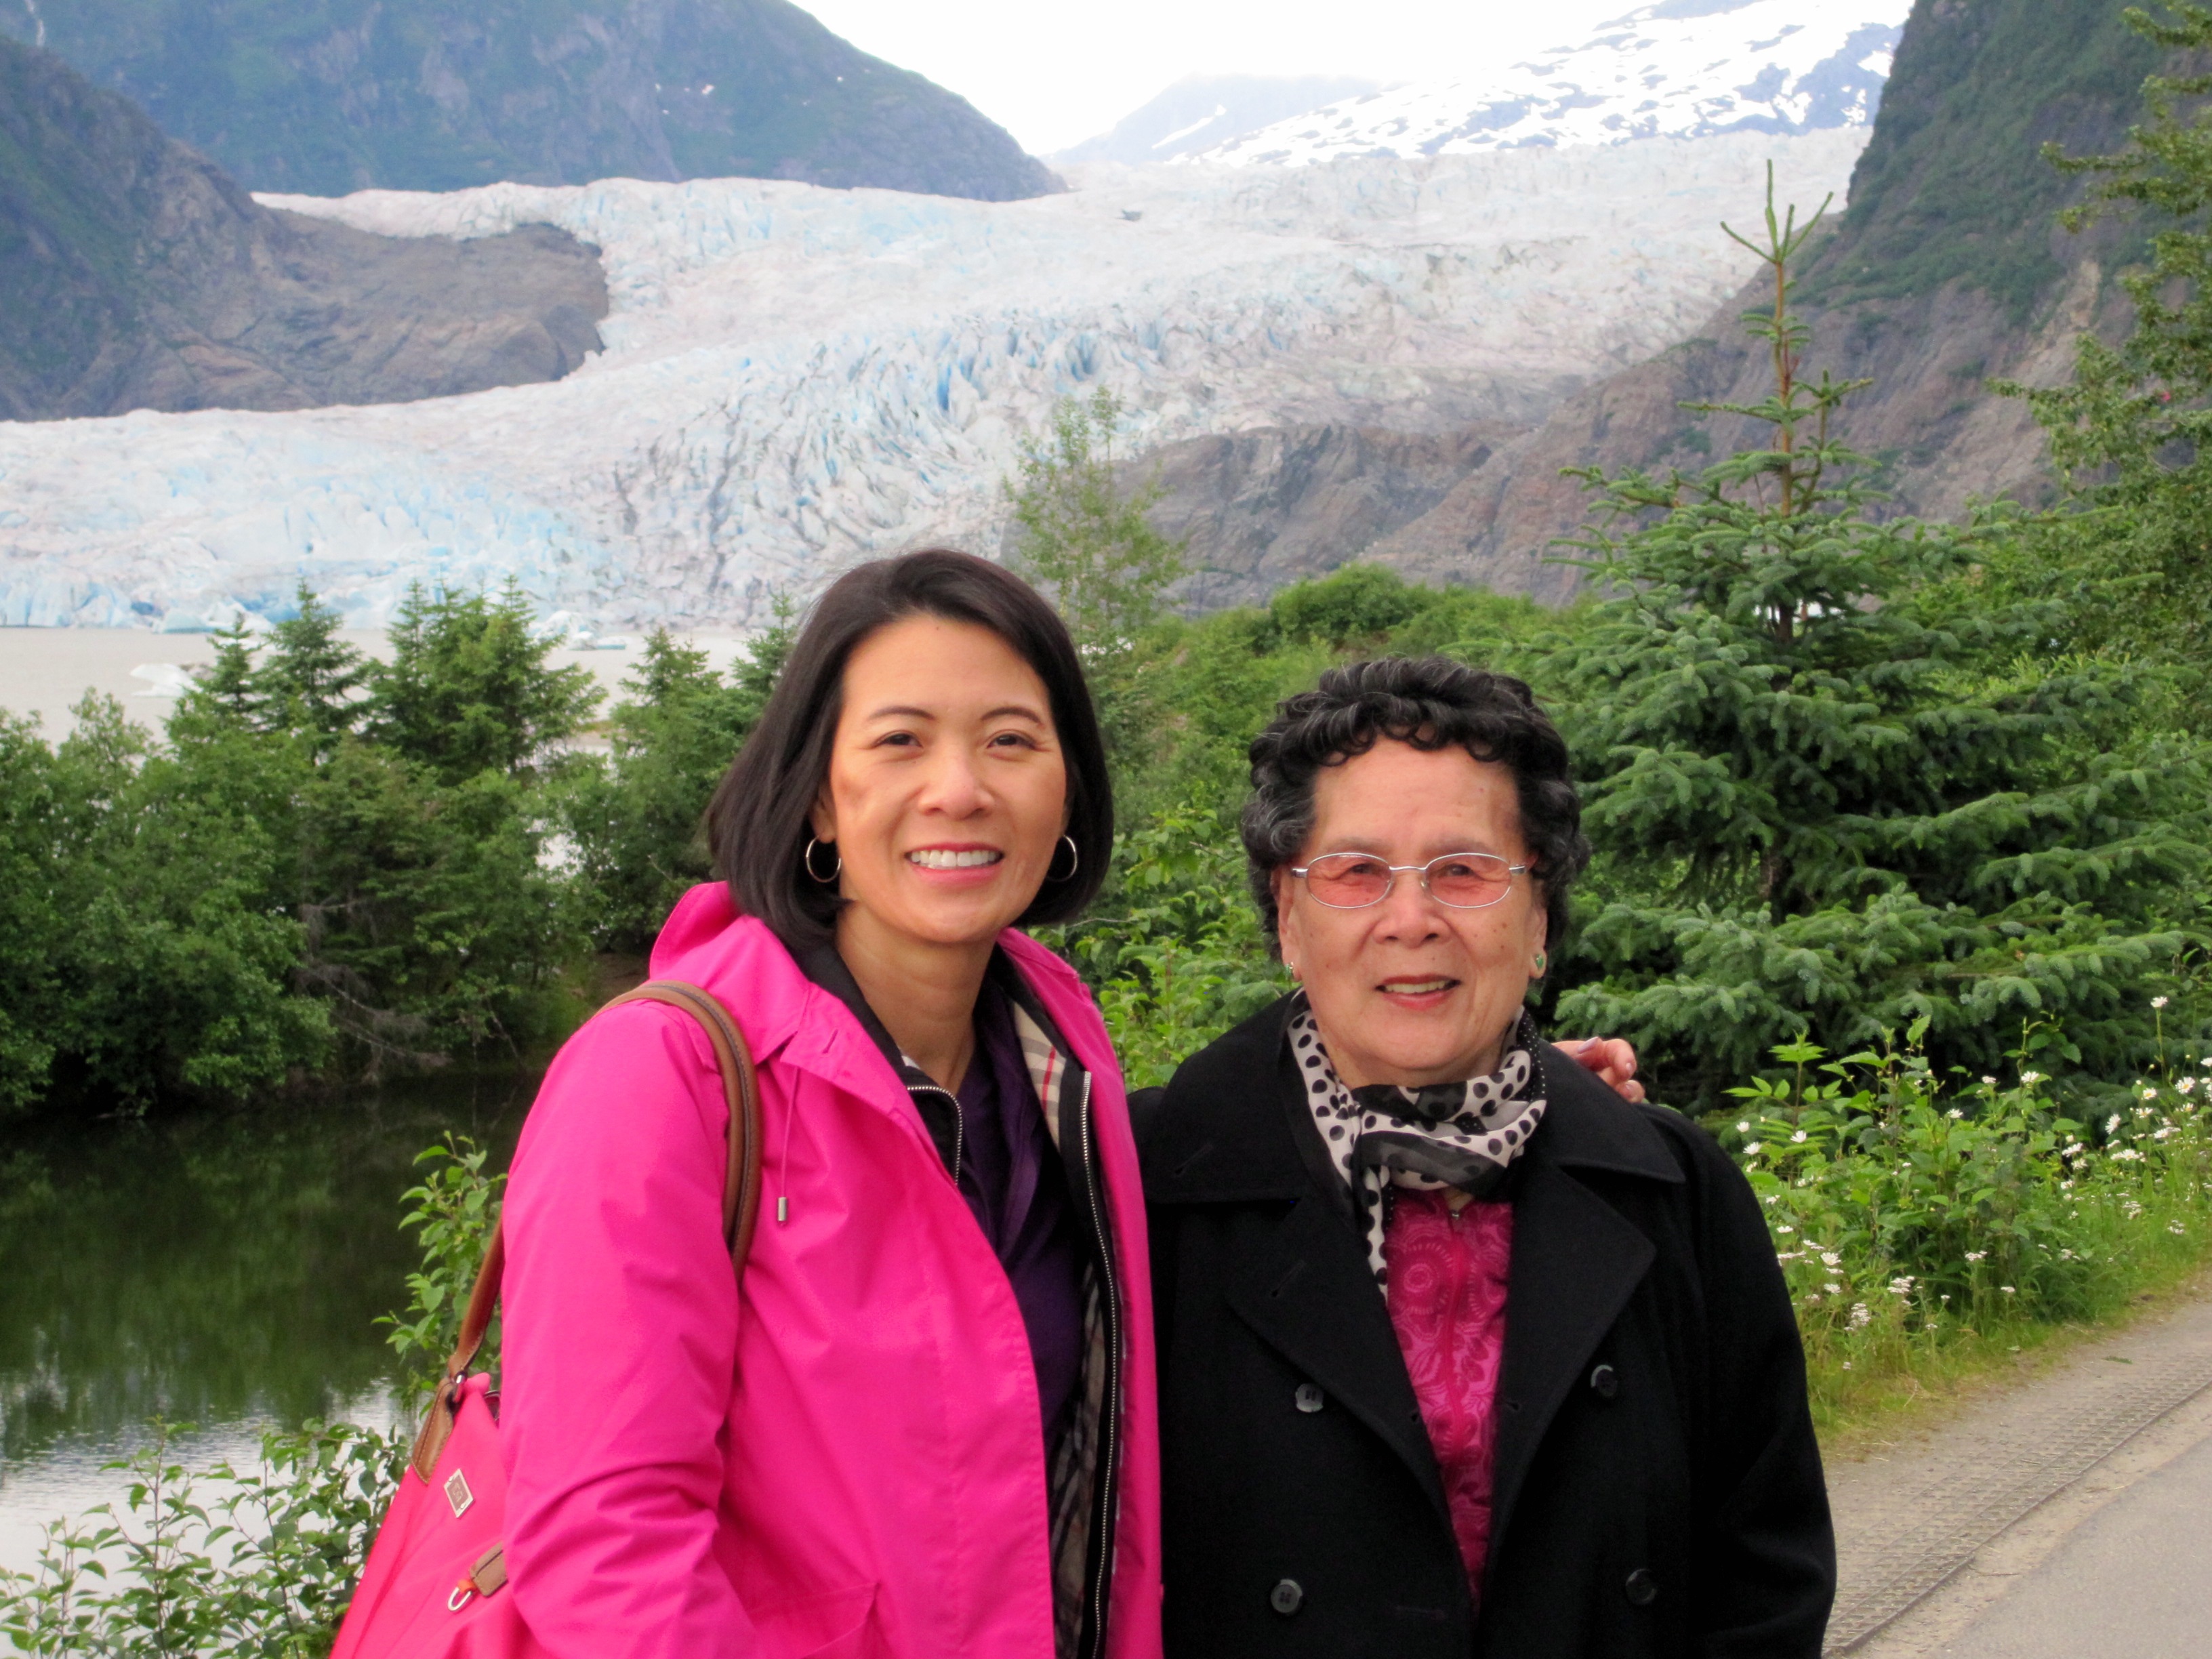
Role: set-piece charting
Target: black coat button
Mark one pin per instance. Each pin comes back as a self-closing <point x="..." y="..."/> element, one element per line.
<point x="1310" y="1398"/>
<point x="1642" y="1588"/>
<point x="1605" y="1381"/>
<point x="1286" y="1597"/>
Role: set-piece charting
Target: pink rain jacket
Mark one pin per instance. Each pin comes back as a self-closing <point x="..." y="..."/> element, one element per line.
<point x="846" y="1460"/>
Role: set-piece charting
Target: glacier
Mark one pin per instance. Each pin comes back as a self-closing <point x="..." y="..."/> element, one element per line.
<point x="797" y="378"/>
<point x="1686" y="69"/>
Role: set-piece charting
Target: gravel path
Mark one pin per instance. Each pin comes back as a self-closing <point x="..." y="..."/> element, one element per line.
<point x="1936" y="1533"/>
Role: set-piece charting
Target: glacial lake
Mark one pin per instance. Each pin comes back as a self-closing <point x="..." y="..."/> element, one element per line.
<point x="221" y="1269"/>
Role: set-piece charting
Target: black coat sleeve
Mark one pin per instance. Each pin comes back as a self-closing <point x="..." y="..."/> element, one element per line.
<point x="1768" y="1555"/>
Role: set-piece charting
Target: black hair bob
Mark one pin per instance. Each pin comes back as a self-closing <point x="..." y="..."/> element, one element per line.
<point x="758" y="823"/>
<point x="1430" y="702"/>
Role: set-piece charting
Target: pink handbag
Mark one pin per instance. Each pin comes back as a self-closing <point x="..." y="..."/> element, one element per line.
<point x="431" y="1587"/>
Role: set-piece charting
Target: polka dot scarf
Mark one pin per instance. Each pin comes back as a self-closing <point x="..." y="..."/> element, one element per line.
<point x="1461" y="1135"/>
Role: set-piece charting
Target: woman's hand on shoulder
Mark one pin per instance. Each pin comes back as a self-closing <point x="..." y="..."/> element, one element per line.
<point x="1611" y="1059"/>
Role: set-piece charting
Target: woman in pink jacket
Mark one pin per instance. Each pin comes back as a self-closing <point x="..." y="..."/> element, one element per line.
<point x="926" y="1426"/>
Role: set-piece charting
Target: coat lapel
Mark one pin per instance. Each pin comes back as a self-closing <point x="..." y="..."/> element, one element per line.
<point x="1576" y="1261"/>
<point x="1241" y="1134"/>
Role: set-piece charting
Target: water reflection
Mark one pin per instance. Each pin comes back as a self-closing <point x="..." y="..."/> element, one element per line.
<point x="222" y="1270"/>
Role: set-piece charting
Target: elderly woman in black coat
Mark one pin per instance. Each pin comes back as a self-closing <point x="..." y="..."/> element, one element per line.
<point x="1461" y="1352"/>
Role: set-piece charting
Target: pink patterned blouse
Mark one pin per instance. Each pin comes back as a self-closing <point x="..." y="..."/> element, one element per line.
<point x="1447" y="1298"/>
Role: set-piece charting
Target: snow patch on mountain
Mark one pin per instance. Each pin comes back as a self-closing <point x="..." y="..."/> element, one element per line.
<point x="1680" y="71"/>
<point x="798" y="378"/>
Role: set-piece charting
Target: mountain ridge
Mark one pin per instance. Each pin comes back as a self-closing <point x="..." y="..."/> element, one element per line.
<point x="324" y="97"/>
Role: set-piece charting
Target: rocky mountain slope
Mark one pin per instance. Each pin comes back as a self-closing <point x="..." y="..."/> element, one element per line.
<point x="1946" y="271"/>
<point x="796" y="377"/>
<point x="136" y="275"/>
<point x="327" y="96"/>
<point x="1677" y="68"/>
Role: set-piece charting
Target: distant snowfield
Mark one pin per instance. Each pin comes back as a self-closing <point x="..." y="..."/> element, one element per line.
<point x="798" y="378"/>
<point x="1763" y="65"/>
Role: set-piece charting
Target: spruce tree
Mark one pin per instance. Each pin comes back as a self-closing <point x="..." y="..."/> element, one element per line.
<point x="1817" y="813"/>
<point x="307" y="683"/>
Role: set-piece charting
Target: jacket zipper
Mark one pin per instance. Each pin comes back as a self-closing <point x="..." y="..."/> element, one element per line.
<point x="952" y="1100"/>
<point x="1110" y="1410"/>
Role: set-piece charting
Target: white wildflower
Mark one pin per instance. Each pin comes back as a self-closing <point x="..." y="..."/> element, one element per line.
<point x="2031" y="1077"/>
<point x="2176" y="1228"/>
<point x="1901" y="1285"/>
<point x="2007" y="1289"/>
<point x="2113" y="1124"/>
<point x="1831" y="1259"/>
<point x="1954" y="1113"/>
<point x="1862" y="1317"/>
<point x="1835" y="1290"/>
<point x="1786" y="1230"/>
<point x="1799" y="1138"/>
<point x="1976" y="1256"/>
<point x="1752" y="1151"/>
<point x="2158" y="1002"/>
<point x="2150" y="1094"/>
<point x="1743" y="1126"/>
<point x="2185" y="1085"/>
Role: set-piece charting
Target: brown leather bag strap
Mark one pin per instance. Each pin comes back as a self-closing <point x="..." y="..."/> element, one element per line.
<point x="741" y="1195"/>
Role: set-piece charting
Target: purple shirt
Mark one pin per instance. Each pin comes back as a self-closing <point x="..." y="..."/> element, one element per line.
<point x="1014" y="1181"/>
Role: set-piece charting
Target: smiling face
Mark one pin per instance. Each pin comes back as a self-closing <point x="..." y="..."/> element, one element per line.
<point x="947" y="792"/>
<point x="1409" y="990"/>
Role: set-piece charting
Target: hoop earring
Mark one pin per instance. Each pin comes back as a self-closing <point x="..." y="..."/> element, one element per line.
<point x="1074" y="859"/>
<point x="806" y="862"/>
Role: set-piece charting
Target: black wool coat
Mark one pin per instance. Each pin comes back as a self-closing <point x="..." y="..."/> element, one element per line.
<point x="1657" y="1489"/>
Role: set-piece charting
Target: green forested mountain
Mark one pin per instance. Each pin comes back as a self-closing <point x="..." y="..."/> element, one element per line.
<point x="1947" y="190"/>
<point x="327" y="96"/>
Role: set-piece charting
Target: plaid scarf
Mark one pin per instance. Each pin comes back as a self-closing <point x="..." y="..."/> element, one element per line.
<point x="1463" y="1134"/>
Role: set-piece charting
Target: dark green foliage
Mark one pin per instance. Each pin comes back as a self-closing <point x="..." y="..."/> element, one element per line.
<point x="1947" y="189"/>
<point x="1818" y="811"/>
<point x="173" y="966"/>
<point x="637" y="818"/>
<point x="468" y="688"/>
<point x="1358" y="605"/>
<point x="328" y="96"/>
<point x="308" y="683"/>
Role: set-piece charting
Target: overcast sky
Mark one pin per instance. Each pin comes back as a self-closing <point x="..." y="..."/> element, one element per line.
<point x="1053" y="74"/>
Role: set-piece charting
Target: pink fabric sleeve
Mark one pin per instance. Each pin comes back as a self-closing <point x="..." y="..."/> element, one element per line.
<point x="619" y="1349"/>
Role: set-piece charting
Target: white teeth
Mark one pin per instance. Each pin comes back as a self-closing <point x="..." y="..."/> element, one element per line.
<point x="931" y="858"/>
<point x="1416" y="987"/>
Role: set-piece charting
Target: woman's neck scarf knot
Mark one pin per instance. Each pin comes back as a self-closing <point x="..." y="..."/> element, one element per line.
<point x="1463" y="1134"/>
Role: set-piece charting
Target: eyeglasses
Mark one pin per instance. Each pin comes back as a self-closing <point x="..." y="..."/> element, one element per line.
<point x="1352" y="881"/>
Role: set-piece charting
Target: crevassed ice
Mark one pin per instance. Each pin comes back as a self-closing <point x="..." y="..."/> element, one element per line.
<point x="797" y="378"/>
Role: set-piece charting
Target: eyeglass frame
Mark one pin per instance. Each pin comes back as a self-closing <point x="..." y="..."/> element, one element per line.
<point x="1397" y="870"/>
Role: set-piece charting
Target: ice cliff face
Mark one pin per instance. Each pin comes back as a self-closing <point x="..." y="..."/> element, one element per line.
<point x="1683" y="68"/>
<point x="797" y="378"/>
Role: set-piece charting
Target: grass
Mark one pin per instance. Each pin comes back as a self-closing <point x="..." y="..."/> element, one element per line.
<point x="1873" y="1403"/>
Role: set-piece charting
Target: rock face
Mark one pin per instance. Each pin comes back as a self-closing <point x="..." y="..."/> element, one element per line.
<point x="138" y="275"/>
<point x="1260" y="508"/>
<point x="327" y="96"/>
